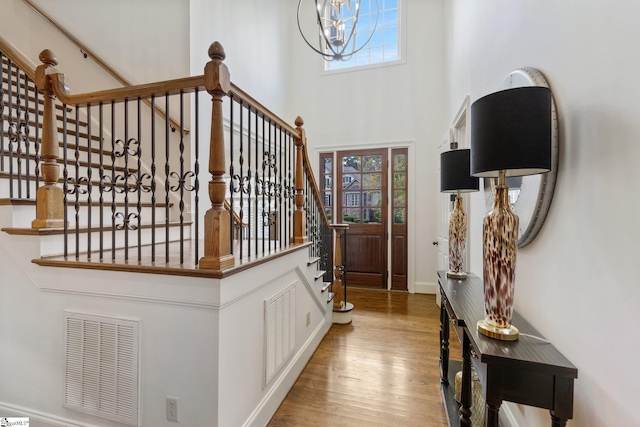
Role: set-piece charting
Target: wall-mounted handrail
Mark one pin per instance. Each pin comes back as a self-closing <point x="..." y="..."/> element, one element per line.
<point x="18" y="58"/>
<point x="110" y="70"/>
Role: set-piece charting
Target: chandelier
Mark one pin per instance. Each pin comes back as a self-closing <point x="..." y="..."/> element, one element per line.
<point x="337" y="21"/>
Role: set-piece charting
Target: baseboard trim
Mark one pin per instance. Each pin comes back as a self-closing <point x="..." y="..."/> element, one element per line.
<point x="426" y="288"/>
<point x="50" y="420"/>
<point x="271" y="402"/>
<point x="506" y="415"/>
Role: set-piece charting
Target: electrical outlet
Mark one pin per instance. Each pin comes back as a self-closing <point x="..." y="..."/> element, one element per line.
<point x="308" y="318"/>
<point x="172" y="409"/>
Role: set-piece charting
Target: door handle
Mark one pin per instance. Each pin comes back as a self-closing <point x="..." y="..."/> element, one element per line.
<point x="434" y="243"/>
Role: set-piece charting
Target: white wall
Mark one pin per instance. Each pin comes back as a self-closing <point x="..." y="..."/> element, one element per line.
<point x="400" y="104"/>
<point x="256" y="40"/>
<point x="202" y="340"/>
<point x="143" y="40"/>
<point x="576" y="282"/>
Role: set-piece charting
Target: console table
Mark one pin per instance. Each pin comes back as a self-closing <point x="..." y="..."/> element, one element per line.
<point x="529" y="371"/>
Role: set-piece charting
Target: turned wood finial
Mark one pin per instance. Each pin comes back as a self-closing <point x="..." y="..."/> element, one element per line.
<point x="216" y="51"/>
<point x="48" y="58"/>
<point x="299" y="122"/>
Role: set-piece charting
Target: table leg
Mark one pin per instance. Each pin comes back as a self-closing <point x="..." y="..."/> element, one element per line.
<point x="444" y="343"/>
<point x="465" y="392"/>
<point x="491" y="415"/>
<point x="558" y="422"/>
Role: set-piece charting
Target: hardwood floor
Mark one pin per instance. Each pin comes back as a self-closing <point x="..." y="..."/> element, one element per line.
<point x="381" y="370"/>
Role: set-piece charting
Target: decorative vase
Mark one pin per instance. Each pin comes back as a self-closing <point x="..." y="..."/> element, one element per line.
<point x="457" y="240"/>
<point x="500" y="236"/>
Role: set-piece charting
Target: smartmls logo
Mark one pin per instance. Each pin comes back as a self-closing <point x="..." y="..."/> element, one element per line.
<point x="14" y="421"/>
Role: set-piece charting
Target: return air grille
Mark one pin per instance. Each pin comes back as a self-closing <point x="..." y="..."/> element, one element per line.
<point x="280" y="334"/>
<point x="101" y="367"/>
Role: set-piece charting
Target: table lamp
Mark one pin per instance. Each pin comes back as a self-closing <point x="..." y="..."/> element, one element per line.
<point x="510" y="136"/>
<point x="455" y="177"/>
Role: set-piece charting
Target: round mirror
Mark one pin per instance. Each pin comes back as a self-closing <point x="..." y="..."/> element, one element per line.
<point x="530" y="196"/>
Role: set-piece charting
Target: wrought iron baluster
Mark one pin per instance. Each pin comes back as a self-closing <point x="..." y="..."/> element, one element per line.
<point x="36" y="144"/>
<point x="26" y="130"/>
<point x="231" y="170"/>
<point x="12" y="126"/>
<point x="89" y="175"/>
<point x="241" y="176"/>
<point x="196" y="169"/>
<point x="113" y="180"/>
<point x="101" y="175"/>
<point x="125" y="180"/>
<point x="279" y="190"/>
<point x="167" y="172"/>
<point x="139" y="186"/>
<point x="153" y="180"/>
<point x="2" y="116"/>
<point x="65" y="180"/>
<point x="75" y="187"/>
<point x="18" y="133"/>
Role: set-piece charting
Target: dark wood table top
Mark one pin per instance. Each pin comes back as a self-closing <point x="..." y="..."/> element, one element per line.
<point x="466" y="298"/>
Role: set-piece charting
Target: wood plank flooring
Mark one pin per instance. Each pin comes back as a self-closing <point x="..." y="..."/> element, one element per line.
<point x="381" y="370"/>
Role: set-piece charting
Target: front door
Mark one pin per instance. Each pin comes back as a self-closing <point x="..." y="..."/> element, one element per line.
<point x="362" y="203"/>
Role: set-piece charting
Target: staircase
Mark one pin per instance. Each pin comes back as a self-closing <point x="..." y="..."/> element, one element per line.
<point x="21" y="122"/>
<point x="130" y="203"/>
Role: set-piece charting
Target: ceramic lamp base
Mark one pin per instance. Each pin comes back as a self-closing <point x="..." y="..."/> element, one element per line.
<point x="457" y="275"/>
<point x="504" y="334"/>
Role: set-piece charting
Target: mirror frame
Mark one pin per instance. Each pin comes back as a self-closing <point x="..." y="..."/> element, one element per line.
<point x="536" y="191"/>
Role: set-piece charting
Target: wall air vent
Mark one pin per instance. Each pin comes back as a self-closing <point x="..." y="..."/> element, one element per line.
<point x="280" y="330"/>
<point x="101" y="366"/>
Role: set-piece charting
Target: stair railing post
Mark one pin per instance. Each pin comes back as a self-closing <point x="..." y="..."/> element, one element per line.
<point x="299" y="217"/>
<point x="49" y="197"/>
<point x="217" y="246"/>
<point x="339" y="267"/>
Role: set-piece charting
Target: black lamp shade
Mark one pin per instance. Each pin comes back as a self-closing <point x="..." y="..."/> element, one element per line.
<point x="454" y="172"/>
<point x="511" y="131"/>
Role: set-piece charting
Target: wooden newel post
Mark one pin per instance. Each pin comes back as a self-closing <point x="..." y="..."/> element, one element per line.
<point x="338" y="262"/>
<point x="49" y="197"/>
<point x="299" y="217"/>
<point x="217" y="246"/>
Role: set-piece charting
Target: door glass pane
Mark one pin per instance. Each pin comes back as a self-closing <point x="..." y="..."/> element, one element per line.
<point x="399" y="180"/>
<point x="372" y="215"/>
<point x="371" y="181"/>
<point x="399" y="198"/>
<point x="351" y="181"/>
<point x="351" y="215"/>
<point x="372" y="163"/>
<point x="326" y="183"/>
<point x="399" y="216"/>
<point x="399" y="162"/>
<point x="351" y="164"/>
<point x="372" y="198"/>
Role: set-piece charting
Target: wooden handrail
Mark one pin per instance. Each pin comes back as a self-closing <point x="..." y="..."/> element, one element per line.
<point x="171" y="87"/>
<point x="314" y="186"/>
<point x="89" y="53"/>
<point x="264" y="111"/>
<point x="24" y="63"/>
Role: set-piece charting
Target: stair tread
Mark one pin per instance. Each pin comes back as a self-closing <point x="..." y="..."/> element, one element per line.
<point x="326" y="286"/>
<point x="72" y="133"/>
<point x="319" y="274"/>
<point x="28" y="231"/>
<point x="32" y="202"/>
<point x="32" y="122"/>
<point x="313" y="260"/>
<point x="83" y="163"/>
